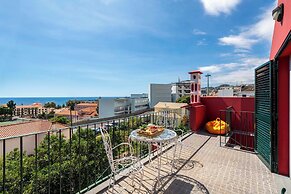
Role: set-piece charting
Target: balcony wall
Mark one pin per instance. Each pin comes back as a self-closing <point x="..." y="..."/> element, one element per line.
<point x="242" y="116"/>
<point x="215" y="104"/>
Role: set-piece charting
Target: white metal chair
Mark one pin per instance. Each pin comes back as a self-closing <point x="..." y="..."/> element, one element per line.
<point x="180" y="134"/>
<point x="131" y="163"/>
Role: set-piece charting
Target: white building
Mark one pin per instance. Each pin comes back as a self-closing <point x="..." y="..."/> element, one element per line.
<point x="159" y="93"/>
<point x="109" y="107"/>
<point x="106" y="107"/>
<point x="139" y="102"/>
<point x="225" y="92"/>
<point x="122" y="106"/>
<point x="180" y="89"/>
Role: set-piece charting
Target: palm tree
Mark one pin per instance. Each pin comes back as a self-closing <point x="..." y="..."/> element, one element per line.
<point x="11" y="105"/>
<point x="72" y="107"/>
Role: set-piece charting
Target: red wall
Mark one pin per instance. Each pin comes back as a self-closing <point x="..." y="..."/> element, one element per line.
<point x="197" y="116"/>
<point x="281" y="29"/>
<point x="215" y="104"/>
<point x="283" y="116"/>
<point x="240" y="121"/>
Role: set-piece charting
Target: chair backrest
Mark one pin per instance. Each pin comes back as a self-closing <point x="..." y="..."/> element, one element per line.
<point x="108" y="148"/>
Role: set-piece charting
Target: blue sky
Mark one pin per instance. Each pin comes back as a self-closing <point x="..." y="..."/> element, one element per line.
<point x="118" y="47"/>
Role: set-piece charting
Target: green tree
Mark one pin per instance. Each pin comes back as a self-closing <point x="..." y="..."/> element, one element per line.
<point x="50" y="105"/>
<point x="74" y="163"/>
<point x="60" y="119"/>
<point x="183" y="99"/>
<point x="4" y="112"/>
<point x="11" y="105"/>
<point x="12" y="176"/>
<point x="72" y="103"/>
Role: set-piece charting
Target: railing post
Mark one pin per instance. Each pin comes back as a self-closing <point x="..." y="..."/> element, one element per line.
<point x="79" y="156"/>
<point x="36" y="164"/>
<point x="49" y="161"/>
<point x="87" y="153"/>
<point x="4" y="164"/>
<point x="60" y="158"/>
<point x="70" y="156"/>
<point x="21" y="164"/>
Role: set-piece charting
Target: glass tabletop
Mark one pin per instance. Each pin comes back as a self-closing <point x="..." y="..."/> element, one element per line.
<point x="166" y="135"/>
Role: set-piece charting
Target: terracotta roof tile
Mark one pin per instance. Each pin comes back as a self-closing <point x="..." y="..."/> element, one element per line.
<point x="66" y="112"/>
<point x="24" y="128"/>
<point x="87" y="104"/>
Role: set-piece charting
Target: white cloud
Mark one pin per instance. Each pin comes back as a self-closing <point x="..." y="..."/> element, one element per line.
<point x="210" y="69"/>
<point x="217" y="7"/>
<point x="240" y="71"/>
<point x="250" y="35"/>
<point x="238" y="41"/>
<point x="198" y="32"/>
<point x="253" y="61"/>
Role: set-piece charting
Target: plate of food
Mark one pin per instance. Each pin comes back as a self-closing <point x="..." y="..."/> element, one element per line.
<point x="150" y="130"/>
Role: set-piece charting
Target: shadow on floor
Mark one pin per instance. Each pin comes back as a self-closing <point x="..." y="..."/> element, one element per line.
<point x="187" y="164"/>
<point x="180" y="184"/>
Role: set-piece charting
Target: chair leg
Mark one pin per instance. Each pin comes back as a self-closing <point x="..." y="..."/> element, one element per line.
<point x="150" y="152"/>
<point x="141" y="180"/>
<point x="132" y="177"/>
<point x="111" y="183"/>
<point x="180" y="150"/>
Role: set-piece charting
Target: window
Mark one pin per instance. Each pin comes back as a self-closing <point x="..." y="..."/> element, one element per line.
<point x="192" y="87"/>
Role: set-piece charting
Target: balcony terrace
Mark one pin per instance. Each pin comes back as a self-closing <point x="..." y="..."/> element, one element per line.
<point x="73" y="160"/>
<point x="203" y="167"/>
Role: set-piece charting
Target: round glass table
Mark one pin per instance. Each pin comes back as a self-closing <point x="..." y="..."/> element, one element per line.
<point x="167" y="136"/>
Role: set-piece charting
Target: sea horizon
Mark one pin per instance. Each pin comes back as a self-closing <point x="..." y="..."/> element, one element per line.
<point x="43" y="100"/>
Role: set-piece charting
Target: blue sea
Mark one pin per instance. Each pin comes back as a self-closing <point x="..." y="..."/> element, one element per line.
<point x="43" y="100"/>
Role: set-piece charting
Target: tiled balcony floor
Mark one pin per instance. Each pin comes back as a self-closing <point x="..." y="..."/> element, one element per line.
<point x="204" y="167"/>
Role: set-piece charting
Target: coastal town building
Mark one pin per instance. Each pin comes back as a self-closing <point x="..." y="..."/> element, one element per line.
<point x="139" y="102"/>
<point x="109" y="107"/>
<point x="66" y="112"/>
<point x="82" y="111"/>
<point x="38" y="127"/>
<point x="159" y="93"/>
<point x="225" y="92"/>
<point x="31" y="110"/>
<point x="175" y="111"/>
<point x="180" y="89"/>
<point x="81" y="106"/>
<point x="122" y="106"/>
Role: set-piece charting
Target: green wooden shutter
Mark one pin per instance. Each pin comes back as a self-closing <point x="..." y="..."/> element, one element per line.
<point x="266" y="109"/>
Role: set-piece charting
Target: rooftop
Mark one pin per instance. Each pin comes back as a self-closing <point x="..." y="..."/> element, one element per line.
<point x="17" y="129"/>
<point x="65" y="112"/>
<point x="87" y="104"/>
<point x="170" y="105"/>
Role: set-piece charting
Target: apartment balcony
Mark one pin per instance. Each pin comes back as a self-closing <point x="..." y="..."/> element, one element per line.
<point x="73" y="160"/>
<point x="202" y="167"/>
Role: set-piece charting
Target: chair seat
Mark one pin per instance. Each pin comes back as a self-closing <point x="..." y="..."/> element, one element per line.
<point x="129" y="161"/>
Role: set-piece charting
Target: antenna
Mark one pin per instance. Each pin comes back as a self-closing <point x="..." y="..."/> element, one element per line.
<point x="207" y="75"/>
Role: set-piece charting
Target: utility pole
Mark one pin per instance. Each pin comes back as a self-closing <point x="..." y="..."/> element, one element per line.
<point x="207" y="75"/>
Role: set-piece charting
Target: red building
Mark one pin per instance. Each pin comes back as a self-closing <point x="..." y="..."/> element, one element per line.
<point x="271" y="125"/>
<point x="281" y="56"/>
